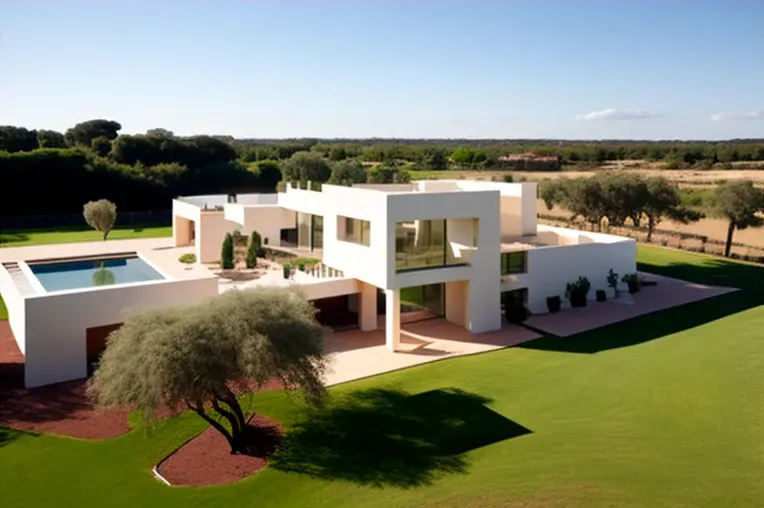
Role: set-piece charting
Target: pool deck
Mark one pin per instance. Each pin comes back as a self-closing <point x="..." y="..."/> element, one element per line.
<point x="159" y="252"/>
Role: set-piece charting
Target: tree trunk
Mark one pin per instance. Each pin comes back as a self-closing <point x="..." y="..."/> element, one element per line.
<point x="730" y="232"/>
<point x="650" y="227"/>
<point x="105" y="234"/>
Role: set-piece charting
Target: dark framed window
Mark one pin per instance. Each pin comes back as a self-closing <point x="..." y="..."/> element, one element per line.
<point x="514" y="262"/>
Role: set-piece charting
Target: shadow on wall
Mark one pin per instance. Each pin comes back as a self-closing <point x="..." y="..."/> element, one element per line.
<point x="389" y="438"/>
<point x="714" y="272"/>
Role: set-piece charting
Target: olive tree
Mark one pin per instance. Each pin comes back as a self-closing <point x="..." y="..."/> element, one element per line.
<point x="206" y="355"/>
<point x="740" y="203"/>
<point x="100" y="215"/>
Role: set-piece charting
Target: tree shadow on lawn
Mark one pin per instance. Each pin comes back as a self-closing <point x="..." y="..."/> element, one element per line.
<point x="8" y="435"/>
<point x="389" y="438"/>
<point x="748" y="278"/>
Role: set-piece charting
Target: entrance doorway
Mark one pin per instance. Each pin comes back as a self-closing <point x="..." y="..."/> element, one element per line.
<point x="518" y="297"/>
<point x="423" y="302"/>
<point x="95" y="344"/>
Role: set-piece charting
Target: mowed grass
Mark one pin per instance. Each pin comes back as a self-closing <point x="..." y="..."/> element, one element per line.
<point x="663" y="411"/>
<point x="23" y="238"/>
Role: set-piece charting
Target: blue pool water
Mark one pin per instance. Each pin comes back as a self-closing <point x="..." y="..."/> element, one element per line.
<point x="93" y="273"/>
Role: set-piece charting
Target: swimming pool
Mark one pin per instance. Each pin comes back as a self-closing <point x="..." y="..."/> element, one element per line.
<point x="85" y="273"/>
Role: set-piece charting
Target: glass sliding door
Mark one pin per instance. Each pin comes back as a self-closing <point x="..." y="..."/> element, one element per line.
<point x="423" y="302"/>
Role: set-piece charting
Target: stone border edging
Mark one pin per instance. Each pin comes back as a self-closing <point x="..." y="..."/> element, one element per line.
<point x="155" y="469"/>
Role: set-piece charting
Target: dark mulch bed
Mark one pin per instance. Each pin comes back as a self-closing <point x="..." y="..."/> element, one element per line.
<point x="207" y="459"/>
<point x="62" y="408"/>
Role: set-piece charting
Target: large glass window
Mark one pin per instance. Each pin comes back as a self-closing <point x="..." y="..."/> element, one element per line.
<point x="303" y="230"/>
<point x="318" y="232"/>
<point x="354" y="230"/>
<point x="513" y="262"/>
<point x="422" y="244"/>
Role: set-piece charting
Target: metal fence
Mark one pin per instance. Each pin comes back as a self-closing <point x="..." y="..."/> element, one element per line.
<point x="74" y="220"/>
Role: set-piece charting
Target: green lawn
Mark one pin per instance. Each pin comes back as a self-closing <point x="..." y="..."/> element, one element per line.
<point x="664" y="411"/>
<point x="23" y="238"/>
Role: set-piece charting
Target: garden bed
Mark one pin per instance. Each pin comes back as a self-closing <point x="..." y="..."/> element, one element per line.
<point x="207" y="458"/>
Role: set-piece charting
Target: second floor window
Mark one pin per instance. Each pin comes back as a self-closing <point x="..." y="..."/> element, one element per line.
<point x="354" y="230"/>
<point x="513" y="262"/>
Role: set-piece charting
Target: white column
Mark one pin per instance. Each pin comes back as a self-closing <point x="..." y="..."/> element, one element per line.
<point x="367" y="307"/>
<point x="392" y="319"/>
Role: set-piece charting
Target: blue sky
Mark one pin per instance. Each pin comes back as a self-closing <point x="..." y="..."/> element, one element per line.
<point x="675" y="69"/>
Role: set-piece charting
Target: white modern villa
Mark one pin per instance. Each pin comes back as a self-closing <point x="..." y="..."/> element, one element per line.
<point x="461" y="245"/>
<point x="458" y="248"/>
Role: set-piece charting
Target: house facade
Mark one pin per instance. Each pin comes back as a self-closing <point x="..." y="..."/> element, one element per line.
<point x="456" y="249"/>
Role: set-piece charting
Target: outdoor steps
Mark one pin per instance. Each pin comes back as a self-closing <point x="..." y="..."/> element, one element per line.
<point x="19" y="278"/>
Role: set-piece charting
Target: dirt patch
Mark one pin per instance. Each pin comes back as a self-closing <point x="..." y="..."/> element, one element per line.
<point x="207" y="458"/>
<point x="63" y="409"/>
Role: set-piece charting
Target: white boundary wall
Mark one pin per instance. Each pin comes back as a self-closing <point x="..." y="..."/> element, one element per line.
<point x="58" y="321"/>
<point x="550" y="269"/>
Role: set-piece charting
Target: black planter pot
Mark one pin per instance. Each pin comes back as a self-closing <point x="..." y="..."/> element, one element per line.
<point x="578" y="301"/>
<point x="633" y="287"/>
<point x="601" y="295"/>
<point x="553" y="303"/>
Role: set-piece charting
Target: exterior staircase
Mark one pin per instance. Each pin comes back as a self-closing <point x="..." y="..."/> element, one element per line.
<point x="19" y="278"/>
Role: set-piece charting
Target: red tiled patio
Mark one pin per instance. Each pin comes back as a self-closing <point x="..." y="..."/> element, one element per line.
<point x="667" y="293"/>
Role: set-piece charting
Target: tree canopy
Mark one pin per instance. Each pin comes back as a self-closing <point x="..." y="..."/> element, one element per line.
<point x="306" y="167"/>
<point x="741" y="204"/>
<point x="618" y="197"/>
<point x="100" y="215"/>
<point x="203" y="356"/>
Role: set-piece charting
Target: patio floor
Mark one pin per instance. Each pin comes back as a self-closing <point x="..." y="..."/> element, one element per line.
<point x="356" y="354"/>
<point x="667" y="293"/>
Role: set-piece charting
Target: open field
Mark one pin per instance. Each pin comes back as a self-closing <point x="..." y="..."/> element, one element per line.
<point x="22" y="238"/>
<point x="715" y="229"/>
<point x="681" y="176"/>
<point x="664" y="411"/>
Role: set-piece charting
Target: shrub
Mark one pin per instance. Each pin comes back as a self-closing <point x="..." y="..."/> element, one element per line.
<point x="100" y="215"/>
<point x="632" y="281"/>
<point x="577" y="291"/>
<point x="601" y="295"/>
<point x="188" y="258"/>
<point x="226" y="254"/>
<point x="239" y="240"/>
<point x="254" y="250"/>
<point x="287" y="270"/>
<point x="612" y="281"/>
<point x="508" y="178"/>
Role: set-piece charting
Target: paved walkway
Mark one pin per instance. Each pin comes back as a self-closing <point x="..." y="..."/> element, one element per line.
<point x="83" y="249"/>
<point x="668" y="293"/>
<point x="356" y="354"/>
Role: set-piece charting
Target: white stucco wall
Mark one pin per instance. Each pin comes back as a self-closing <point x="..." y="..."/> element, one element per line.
<point x="14" y="302"/>
<point x="268" y="220"/>
<point x="550" y="269"/>
<point x="483" y="305"/>
<point x="56" y="323"/>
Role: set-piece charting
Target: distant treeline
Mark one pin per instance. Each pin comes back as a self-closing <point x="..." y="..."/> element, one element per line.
<point x="46" y="172"/>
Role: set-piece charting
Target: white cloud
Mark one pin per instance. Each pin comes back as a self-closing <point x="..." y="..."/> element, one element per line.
<point x="751" y="115"/>
<point x="611" y="114"/>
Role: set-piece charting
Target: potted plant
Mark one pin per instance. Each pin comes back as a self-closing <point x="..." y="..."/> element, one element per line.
<point x="632" y="281"/>
<point x="612" y="281"/>
<point x="301" y="267"/>
<point x="601" y="295"/>
<point x="287" y="270"/>
<point x="516" y="313"/>
<point x="553" y="303"/>
<point x="576" y="292"/>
